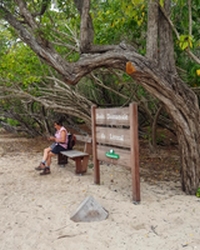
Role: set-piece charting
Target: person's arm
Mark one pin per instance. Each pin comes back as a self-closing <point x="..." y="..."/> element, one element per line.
<point x="52" y="138"/>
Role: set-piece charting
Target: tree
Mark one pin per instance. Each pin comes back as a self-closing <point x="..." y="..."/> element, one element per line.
<point x="156" y="71"/>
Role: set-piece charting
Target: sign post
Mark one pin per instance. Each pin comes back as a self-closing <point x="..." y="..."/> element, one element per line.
<point x="115" y="140"/>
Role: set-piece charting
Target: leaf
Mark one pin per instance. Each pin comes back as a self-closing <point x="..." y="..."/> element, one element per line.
<point x="198" y="72"/>
<point x="184" y="45"/>
<point x="185" y="41"/>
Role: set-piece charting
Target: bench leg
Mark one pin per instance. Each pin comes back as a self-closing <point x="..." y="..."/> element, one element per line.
<point x="78" y="166"/>
<point x="81" y="164"/>
<point x="62" y="160"/>
<point x="85" y="163"/>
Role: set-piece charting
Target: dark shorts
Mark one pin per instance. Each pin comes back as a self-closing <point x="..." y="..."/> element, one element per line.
<point x="57" y="149"/>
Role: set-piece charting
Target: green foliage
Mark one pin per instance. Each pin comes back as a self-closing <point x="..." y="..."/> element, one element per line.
<point x="12" y="122"/>
<point x="192" y="77"/>
<point x="68" y="8"/>
<point x="116" y="20"/>
<point x="185" y="42"/>
<point x="21" y="65"/>
<point x="62" y="29"/>
<point x="188" y="67"/>
<point x="180" y="17"/>
<point x="18" y="63"/>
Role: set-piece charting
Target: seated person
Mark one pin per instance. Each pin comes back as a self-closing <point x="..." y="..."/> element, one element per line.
<point x="59" y="144"/>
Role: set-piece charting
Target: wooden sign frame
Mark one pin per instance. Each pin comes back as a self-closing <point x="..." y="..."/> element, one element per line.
<point x="115" y="140"/>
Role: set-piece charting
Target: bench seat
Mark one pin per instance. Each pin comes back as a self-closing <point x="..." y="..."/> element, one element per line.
<point x="74" y="153"/>
<point x="81" y="158"/>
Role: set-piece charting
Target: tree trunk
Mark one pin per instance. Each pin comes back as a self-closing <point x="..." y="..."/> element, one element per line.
<point x="182" y="105"/>
<point x="86" y="30"/>
<point x="186" y="116"/>
<point x="166" y="45"/>
<point x="152" y="34"/>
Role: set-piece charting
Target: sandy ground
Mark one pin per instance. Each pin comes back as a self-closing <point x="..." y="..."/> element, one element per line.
<point x="35" y="210"/>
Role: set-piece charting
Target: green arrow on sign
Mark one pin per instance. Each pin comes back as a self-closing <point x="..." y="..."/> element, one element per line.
<point x="111" y="154"/>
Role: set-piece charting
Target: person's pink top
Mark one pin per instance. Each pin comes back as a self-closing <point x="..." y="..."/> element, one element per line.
<point x="58" y="136"/>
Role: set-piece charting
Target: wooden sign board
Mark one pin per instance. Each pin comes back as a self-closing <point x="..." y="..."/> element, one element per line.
<point x="113" y="136"/>
<point x="114" y="116"/>
<point x="115" y="140"/>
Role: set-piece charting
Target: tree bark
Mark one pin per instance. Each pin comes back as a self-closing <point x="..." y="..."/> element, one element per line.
<point x="86" y="30"/>
<point x="166" y="45"/>
<point x="152" y="34"/>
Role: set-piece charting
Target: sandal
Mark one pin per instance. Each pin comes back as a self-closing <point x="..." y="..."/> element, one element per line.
<point x="40" y="167"/>
<point x="46" y="171"/>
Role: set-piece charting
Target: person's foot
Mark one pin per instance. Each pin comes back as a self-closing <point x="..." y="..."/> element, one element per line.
<point x="40" y="167"/>
<point x="45" y="171"/>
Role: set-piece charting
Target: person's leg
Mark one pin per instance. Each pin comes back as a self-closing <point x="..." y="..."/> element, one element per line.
<point x="48" y="163"/>
<point x="44" y="158"/>
<point x="45" y="154"/>
<point x="48" y="160"/>
<point x="55" y="151"/>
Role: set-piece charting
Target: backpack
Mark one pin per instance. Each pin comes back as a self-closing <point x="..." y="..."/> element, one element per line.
<point x="71" y="141"/>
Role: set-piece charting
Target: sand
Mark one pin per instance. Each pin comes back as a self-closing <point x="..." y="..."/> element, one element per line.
<point x="35" y="210"/>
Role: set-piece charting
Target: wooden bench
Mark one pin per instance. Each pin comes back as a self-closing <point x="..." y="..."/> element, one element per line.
<point x="81" y="158"/>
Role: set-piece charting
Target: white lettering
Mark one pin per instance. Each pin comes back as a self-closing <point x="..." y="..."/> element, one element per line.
<point x="103" y="136"/>
<point x="117" y="117"/>
<point x="117" y="137"/>
<point x="100" y="117"/>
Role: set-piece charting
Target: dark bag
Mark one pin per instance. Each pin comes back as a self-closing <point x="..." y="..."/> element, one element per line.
<point x="71" y="141"/>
